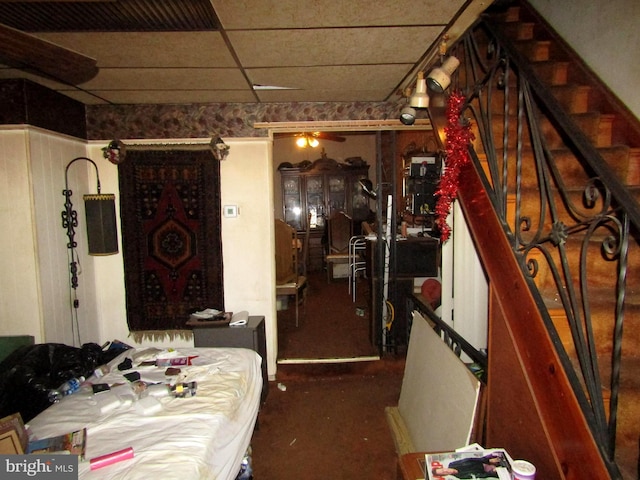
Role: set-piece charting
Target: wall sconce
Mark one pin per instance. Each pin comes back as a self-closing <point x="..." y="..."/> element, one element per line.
<point x="100" y="213"/>
<point x="420" y="99"/>
<point x="220" y="149"/>
<point x="440" y="77"/>
<point x="114" y="152"/>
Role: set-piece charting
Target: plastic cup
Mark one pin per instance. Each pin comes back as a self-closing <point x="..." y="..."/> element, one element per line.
<point x="523" y="470"/>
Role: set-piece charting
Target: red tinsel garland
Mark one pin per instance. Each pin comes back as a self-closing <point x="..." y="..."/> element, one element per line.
<point x="458" y="137"/>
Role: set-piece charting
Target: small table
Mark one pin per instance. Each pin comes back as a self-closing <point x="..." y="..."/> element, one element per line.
<point x="411" y="466"/>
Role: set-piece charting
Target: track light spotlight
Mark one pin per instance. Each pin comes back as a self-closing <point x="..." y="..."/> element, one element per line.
<point x="420" y="99"/>
<point x="408" y="115"/>
<point x="440" y="77"/>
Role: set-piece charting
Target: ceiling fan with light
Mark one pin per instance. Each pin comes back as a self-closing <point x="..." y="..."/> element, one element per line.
<point x="312" y="139"/>
<point x="34" y="55"/>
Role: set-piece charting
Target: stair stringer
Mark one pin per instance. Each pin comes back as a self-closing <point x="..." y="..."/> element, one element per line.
<point x="532" y="410"/>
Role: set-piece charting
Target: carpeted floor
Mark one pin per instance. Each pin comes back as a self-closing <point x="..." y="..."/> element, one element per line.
<point x="331" y="325"/>
<point x="326" y="421"/>
<point x="323" y="422"/>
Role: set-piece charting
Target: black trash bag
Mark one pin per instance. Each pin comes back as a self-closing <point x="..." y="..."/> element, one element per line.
<point x="30" y="372"/>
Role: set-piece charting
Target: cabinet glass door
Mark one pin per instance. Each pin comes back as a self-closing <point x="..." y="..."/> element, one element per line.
<point x="337" y="194"/>
<point x="359" y="201"/>
<point x="292" y="202"/>
<point x="315" y="201"/>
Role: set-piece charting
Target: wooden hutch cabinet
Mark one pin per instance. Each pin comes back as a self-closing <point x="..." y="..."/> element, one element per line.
<point x="319" y="189"/>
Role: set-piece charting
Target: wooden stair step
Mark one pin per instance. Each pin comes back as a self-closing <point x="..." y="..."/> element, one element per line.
<point x="535" y="50"/>
<point x="518" y="31"/>
<point x="602" y="320"/>
<point x="552" y="72"/>
<point x="530" y="204"/>
<point x="598" y="130"/>
<point x="597" y="127"/>
<point x="622" y="160"/>
<point x="633" y="173"/>
<point x="602" y="272"/>
<point x="574" y="98"/>
<point x="512" y="14"/>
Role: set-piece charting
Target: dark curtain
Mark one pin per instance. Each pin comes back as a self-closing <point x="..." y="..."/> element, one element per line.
<point x="172" y="248"/>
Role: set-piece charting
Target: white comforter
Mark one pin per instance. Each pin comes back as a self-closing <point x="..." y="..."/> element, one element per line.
<point x="199" y="437"/>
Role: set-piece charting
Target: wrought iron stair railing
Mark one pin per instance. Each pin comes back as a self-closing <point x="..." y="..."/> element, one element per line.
<point x="555" y="227"/>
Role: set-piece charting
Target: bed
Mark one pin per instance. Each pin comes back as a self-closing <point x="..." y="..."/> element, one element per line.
<point x="204" y="436"/>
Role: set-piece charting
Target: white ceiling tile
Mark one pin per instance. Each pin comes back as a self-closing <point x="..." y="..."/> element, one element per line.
<point x="356" y="50"/>
<point x="316" y="95"/>
<point x="142" y="49"/>
<point x="84" y="97"/>
<point x="175" y="96"/>
<point x="167" y="79"/>
<point x="332" y="46"/>
<point x="353" y="78"/>
<point x="257" y="14"/>
<point x="15" y="73"/>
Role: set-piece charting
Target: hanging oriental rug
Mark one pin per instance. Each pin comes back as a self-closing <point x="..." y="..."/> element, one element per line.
<point x="172" y="248"/>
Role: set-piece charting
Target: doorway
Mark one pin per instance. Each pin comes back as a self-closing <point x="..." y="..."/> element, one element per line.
<point x="332" y="325"/>
<point x="383" y="151"/>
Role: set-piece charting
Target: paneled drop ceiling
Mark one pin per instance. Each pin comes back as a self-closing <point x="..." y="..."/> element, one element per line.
<point x="246" y="51"/>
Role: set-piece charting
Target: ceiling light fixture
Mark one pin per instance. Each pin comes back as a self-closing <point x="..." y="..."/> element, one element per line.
<point x="420" y="99"/>
<point x="307" y="140"/>
<point x="440" y="77"/>
<point x="408" y="113"/>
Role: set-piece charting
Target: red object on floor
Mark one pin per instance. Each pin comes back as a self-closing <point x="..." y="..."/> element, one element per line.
<point x="432" y="291"/>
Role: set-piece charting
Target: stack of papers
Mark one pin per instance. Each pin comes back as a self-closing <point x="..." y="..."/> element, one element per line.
<point x="206" y="314"/>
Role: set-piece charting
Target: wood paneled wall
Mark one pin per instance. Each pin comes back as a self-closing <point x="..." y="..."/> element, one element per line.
<point x="34" y="273"/>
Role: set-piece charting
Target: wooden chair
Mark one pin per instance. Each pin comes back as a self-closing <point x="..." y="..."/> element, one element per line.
<point x="288" y="280"/>
<point x="305" y="248"/>
<point x="339" y="232"/>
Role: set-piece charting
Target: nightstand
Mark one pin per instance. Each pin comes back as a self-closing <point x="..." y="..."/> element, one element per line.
<point x="252" y="336"/>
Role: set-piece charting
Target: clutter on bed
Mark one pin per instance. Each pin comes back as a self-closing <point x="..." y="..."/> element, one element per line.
<point x="30" y="374"/>
<point x="149" y="413"/>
